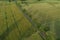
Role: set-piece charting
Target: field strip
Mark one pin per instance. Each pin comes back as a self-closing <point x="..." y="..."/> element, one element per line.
<point x="12" y="19"/>
<point x="19" y="11"/>
<point x="7" y="20"/>
<point x="33" y="24"/>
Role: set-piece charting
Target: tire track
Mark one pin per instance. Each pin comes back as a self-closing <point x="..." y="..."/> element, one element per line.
<point x="9" y="29"/>
<point x="5" y="14"/>
<point x="21" y="36"/>
<point x="32" y="22"/>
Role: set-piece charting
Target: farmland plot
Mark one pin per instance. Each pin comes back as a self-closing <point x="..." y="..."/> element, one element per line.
<point x="46" y="14"/>
<point x="15" y="25"/>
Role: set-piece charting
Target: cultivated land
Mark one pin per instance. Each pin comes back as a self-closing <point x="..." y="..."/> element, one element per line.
<point x="15" y="24"/>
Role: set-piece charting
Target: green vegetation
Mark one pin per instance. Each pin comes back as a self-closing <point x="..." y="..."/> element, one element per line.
<point x="29" y="20"/>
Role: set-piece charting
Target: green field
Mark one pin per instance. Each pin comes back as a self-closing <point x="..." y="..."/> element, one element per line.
<point x="31" y="21"/>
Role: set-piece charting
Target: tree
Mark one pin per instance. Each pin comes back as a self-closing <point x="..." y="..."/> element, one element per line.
<point x="11" y="0"/>
<point x="39" y="0"/>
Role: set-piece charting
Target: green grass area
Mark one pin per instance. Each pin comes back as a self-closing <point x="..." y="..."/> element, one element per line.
<point x="15" y="25"/>
<point x="46" y="14"/>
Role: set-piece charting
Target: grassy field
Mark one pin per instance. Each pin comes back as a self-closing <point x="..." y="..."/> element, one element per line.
<point x="15" y="25"/>
<point x="12" y="22"/>
<point x="46" y="14"/>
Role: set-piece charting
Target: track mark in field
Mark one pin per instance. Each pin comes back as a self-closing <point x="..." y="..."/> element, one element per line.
<point x="33" y="24"/>
<point x="6" y="22"/>
<point x="30" y="20"/>
<point x="12" y="20"/>
<point x="7" y="19"/>
<point x="21" y="19"/>
<point x="15" y="21"/>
